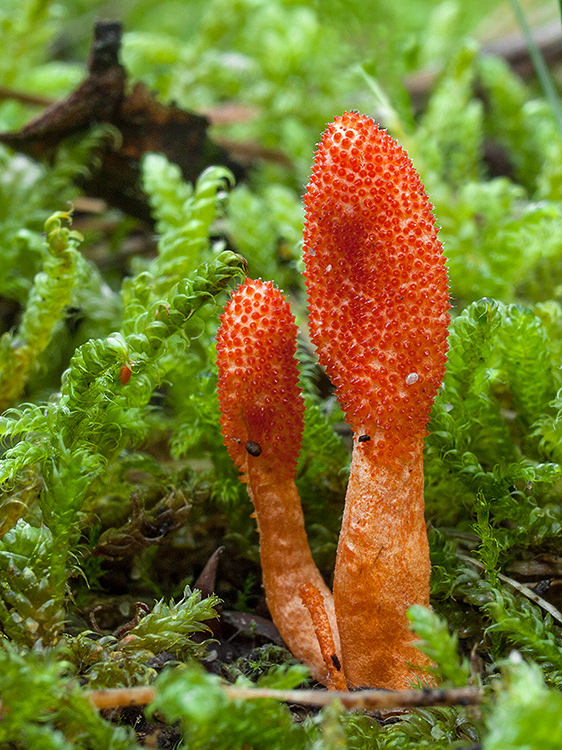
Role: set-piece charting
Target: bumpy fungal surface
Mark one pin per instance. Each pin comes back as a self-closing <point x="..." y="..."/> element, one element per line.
<point x="378" y="302"/>
<point x="262" y="421"/>
<point x="259" y="396"/>
<point x="377" y="284"/>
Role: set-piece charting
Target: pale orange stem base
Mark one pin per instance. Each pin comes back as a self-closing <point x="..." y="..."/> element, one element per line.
<point x="382" y="568"/>
<point x="314" y="602"/>
<point x="287" y="565"/>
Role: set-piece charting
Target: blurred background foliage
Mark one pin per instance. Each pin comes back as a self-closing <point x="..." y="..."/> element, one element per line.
<point x="116" y="485"/>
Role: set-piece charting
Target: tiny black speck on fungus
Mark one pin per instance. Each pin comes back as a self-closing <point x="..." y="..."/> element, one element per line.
<point x="254" y="449"/>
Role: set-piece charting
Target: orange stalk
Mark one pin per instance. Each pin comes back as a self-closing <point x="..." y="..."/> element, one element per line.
<point x="314" y="602"/>
<point x="262" y="421"/>
<point x="378" y="302"/>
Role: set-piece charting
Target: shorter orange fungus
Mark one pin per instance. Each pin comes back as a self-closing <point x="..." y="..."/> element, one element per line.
<point x="259" y="395"/>
<point x="262" y="422"/>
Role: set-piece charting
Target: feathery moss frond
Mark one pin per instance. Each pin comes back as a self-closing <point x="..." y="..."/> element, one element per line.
<point x="43" y="707"/>
<point x="112" y="661"/>
<point x="525" y="713"/>
<point x="440" y="645"/>
<point x="29" y="614"/>
<point x="46" y="304"/>
<point x="527" y="365"/>
<point x="493" y="423"/>
<point x="184" y="216"/>
<point x="523" y="626"/>
<point x="168" y="626"/>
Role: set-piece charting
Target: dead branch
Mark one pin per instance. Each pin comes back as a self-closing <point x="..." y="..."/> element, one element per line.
<point x="361" y="699"/>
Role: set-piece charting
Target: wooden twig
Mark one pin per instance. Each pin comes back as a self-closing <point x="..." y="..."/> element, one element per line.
<point x="515" y="50"/>
<point x="361" y="699"/>
<point x="512" y="48"/>
<point x="36" y="100"/>
<point x="121" y="697"/>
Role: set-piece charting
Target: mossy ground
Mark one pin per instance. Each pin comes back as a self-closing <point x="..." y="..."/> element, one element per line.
<point x="117" y="489"/>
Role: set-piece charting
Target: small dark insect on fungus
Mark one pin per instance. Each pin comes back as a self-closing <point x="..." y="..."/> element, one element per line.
<point x="254" y="449"/>
<point x="363" y="438"/>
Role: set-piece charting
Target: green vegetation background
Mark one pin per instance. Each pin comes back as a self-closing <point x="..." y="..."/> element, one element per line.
<point x="91" y="463"/>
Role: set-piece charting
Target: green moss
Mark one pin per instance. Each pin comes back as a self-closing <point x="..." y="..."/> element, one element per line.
<point x="116" y="486"/>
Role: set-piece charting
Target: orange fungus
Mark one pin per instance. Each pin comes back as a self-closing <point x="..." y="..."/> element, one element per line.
<point x="259" y="396"/>
<point x="262" y="422"/>
<point x="378" y="313"/>
<point x="377" y="284"/>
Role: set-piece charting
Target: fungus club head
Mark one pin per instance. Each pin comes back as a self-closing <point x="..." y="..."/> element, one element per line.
<point x="259" y="396"/>
<point x="377" y="284"/>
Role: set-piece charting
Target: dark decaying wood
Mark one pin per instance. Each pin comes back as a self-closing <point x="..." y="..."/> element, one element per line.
<point x="144" y="125"/>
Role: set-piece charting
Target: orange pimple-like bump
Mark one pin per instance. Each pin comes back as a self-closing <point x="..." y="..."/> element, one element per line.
<point x="259" y="396"/>
<point x="377" y="253"/>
